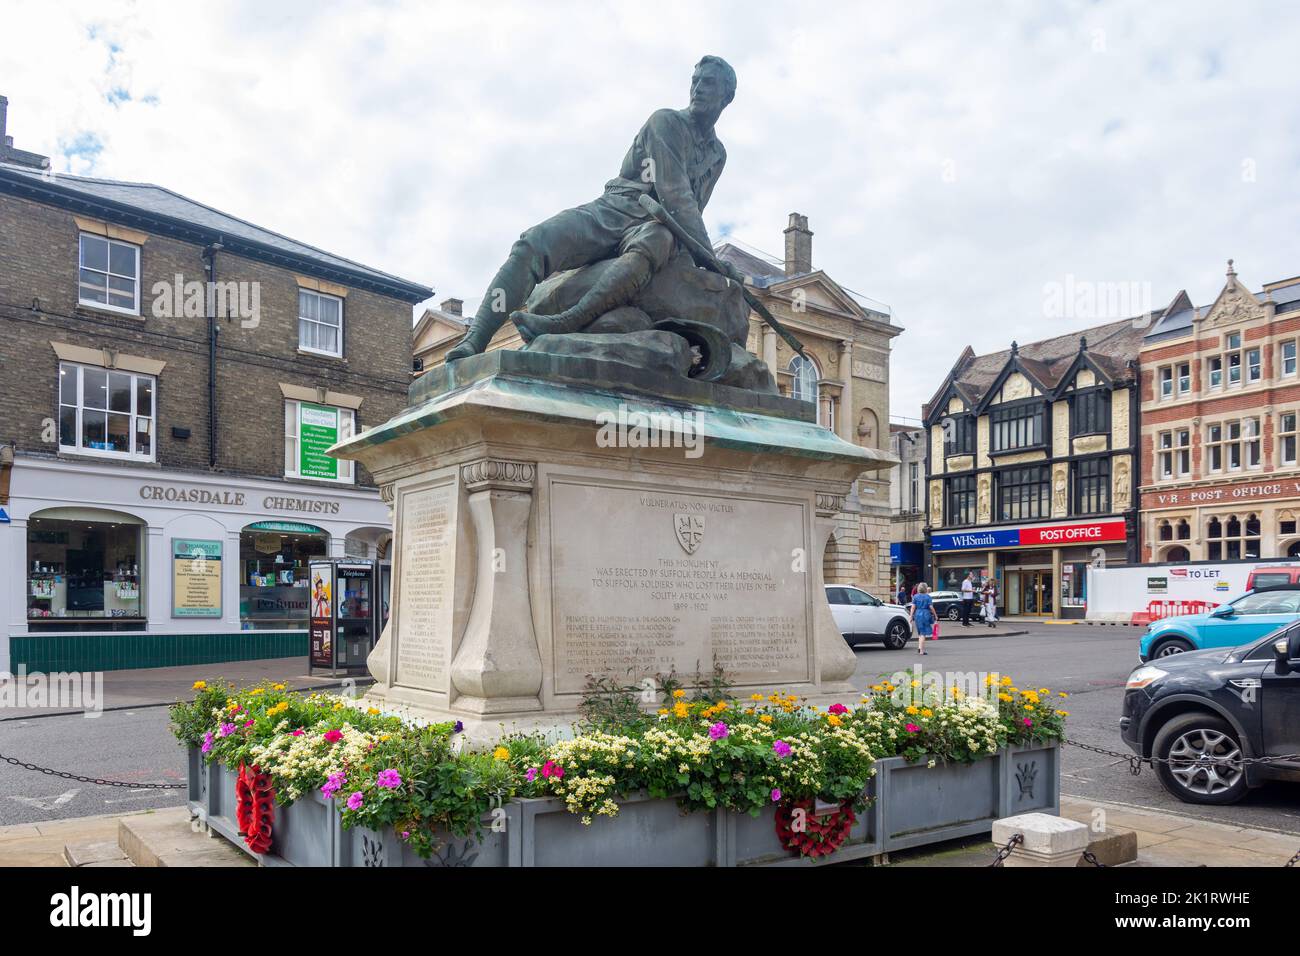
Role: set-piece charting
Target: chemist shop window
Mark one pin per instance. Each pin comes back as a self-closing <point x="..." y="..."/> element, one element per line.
<point x="84" y="570"/>
<point x="273" y="558"/>
<point x="106" y="413"/>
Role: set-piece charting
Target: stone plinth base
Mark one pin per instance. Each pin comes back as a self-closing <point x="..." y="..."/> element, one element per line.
<point x="551" y="527"/>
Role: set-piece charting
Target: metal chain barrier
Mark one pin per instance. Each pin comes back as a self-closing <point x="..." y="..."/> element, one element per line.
<point x="1135" y="762"/>
<point x="98" y="781"/>
<point x="1293" y="861"/>
<point x="1005" y="852"/>
<point x="1091" y="858"/>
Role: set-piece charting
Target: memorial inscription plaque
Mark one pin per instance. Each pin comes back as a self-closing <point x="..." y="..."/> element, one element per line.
<point x="647" y="582"/>
<point x="426" y="587"/>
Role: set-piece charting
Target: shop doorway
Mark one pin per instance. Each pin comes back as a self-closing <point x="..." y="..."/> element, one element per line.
<point x="1029" y="593"/>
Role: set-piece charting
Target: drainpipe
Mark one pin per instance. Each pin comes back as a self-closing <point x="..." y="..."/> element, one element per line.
<point x="1135" y="472"/>
<point x="210" y="266"/>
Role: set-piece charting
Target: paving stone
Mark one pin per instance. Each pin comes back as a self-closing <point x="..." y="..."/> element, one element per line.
<point x="166" y="838"/>
<point x="102" y="851"/>
<point x="1112" y="847"/>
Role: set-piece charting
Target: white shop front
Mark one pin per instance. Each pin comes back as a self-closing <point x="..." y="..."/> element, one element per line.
<point x="104" y="567"/>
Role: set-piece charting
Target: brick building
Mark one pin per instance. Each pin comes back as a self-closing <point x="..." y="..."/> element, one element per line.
<point x="1030" y="467"/>
<point x="1220" y="402"/>
<point x="169" y="377"/>
<point x="908" y="444"/>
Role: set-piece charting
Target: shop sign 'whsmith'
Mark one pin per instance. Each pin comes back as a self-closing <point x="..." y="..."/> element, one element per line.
<point x="1083" y="533"/>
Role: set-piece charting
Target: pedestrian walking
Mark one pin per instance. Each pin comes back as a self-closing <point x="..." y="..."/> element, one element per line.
<point x="922" y="613"/>
<point x="902" y="594"/>
<point x="990" y="596"/>
<point x="967" y="598"/>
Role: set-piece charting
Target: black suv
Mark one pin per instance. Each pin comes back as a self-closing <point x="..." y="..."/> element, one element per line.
<point x="1205" y="710"/>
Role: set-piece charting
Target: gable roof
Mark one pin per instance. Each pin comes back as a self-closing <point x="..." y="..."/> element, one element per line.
<point x="157" y="209"/>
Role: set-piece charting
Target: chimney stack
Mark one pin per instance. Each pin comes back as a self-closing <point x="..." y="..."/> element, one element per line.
<point x="8" y="154"/>
<point x="798" y="245"/>
<point x="452" y="306"/>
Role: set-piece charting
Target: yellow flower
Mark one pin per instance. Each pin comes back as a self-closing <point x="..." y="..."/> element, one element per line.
<point x="916" y="683"/>
<point x="749" y="711"/>
<point x="927" y="712"/>
<point x="680" y="708"/>
<point x="501" y="753"/>
<point x="663" y="711"/>
<point x="1005" y="698"/>
<point x="1062" y="694"/>
<point x="720" y="706"/>
<point x="679" y="694"/>
<point x="373" y="711"/>
<point x="385" y="736"/>
<point x="1006" y="680"/>
<point x="833" y="720"/>
<point x="913" y="710"/>
<point x="876" y="687"/>
<point x="200" y="685"/>
<point x="1062" y="713"/>
<point x="1044" y="691"/>
<point x="277" y="687"/>
<point x="257" y="691"/>
<point x="232" y="706"/>
<point x="766" y="718"/>
<point x="1029" y="706"/>
<point x="755" y="696"/>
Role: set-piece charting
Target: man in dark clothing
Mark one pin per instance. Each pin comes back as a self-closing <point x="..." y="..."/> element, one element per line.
<point x="676" y="159"/>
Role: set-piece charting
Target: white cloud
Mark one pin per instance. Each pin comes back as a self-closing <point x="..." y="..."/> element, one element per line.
<point x="1106" y="141"/>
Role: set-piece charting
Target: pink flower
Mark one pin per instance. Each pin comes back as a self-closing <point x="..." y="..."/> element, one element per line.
<point x="332" y="785"/>
<point x="531" y="775"/>
<point x="225" y="730"/>
<point x="837" y="709"/>
<point x="913" y="729"/>
<point x="248" y="723"/>
<point x="296" y="733"/>
<point x="776" y="795"/>
<point x="333" y="736"/>
<point x="354" y="801"/>
<point x="1028" y="722"/>
<point x="207" y="742"/>
<point x="388" y="779"/>
<point x="781" y="748"/>
<point x="552" y="769"/>
<point x="718" y="731"/>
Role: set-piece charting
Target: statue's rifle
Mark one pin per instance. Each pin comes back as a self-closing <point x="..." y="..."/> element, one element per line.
<point x="705" y="259"/>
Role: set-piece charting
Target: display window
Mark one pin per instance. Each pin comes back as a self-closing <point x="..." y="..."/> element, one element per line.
<point x="274" y="592"/>
<point x="84" y="572"/>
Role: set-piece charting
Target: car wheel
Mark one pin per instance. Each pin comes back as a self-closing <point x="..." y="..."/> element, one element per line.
<point x="954" y="613"/>
<point x="1174" y="645"/>
<point x="1195" y="746"/>
<point x="897" y="636"/>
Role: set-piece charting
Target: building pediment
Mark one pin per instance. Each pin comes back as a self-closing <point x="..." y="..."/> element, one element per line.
<point x="1235" y="304"/>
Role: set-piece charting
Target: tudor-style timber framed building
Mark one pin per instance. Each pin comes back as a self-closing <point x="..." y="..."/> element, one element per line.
<point x="1030" y="468"/>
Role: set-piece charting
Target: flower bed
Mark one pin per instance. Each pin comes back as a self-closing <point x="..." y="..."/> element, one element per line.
<point x="721" y="782"/>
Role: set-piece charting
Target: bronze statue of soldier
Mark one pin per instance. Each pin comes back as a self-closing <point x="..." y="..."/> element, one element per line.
<point x="676" y="159"/>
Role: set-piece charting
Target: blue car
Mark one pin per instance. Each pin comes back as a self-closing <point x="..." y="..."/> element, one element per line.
<point x="1238" y="622"/>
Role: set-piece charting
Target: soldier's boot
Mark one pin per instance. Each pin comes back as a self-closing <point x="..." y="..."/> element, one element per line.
<point x="480" y="333"/>
<point x="618" y="285"/>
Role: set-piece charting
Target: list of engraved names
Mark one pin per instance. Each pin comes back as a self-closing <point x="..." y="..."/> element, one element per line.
<point x="426" y="588"/>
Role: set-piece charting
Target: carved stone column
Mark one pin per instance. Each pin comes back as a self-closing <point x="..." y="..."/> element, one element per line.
<point x="769" y="348"/>
<point x="847" y="420"/>
<point x="498" y="667"/>
<point x="836" y="662"/>
<point x="378" y="658"/>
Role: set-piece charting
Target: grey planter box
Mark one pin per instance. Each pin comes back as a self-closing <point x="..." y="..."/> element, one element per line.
<point x="910" y="805"/>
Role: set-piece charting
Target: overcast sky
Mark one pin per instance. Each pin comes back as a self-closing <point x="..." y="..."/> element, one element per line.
<point x="972" y="165"/>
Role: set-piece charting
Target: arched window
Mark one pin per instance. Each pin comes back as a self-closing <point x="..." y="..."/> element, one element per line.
<point x="1177" y="553"/>
<point x="804" y="375"/>
<point x="1293" y="551"/>
<point x="1184" y="530"/>
<point x="1166" y="531"/>
<point x="1232" y="539"/>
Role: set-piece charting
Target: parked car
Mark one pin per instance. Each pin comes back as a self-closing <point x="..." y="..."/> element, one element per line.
<point x="1252" y="615"/>
<point x="947" y="604"/>
<point x="863" y="618"/>
<point x="1187" y="710"/>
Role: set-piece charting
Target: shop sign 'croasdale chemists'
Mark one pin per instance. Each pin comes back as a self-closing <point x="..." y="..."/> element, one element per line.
<point x="318" y="429"/>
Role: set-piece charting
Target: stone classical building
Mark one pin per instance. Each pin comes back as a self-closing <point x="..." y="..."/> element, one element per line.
<point x="848" y="338"/>
<point x="169" y="378"/>
<point x="907" y="505"/>
<point x="1220" y="397"/>
<point x="1032" y="457"/>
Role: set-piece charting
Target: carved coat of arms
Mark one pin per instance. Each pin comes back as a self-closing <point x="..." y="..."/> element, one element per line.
<point x="690" y="531"/>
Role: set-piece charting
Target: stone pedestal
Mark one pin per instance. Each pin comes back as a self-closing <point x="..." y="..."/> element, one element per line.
<point x="558" y="518"/>
<point x="1048" y="840"/>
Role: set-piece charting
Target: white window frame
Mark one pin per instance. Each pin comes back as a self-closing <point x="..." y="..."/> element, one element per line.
<point x="1282" y="359"/>
<point x="1238" y="438"/>
<point x="1183" y="381"/>
<point x="1174" y="453"/>
<point x="135" y="417"/>
<point x="1255" y="366"/>
<point x="108" y="272"/>
<point x="347" y="428"/>
<point x="1284" y="433"/>
<point x="302" y="318"/>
